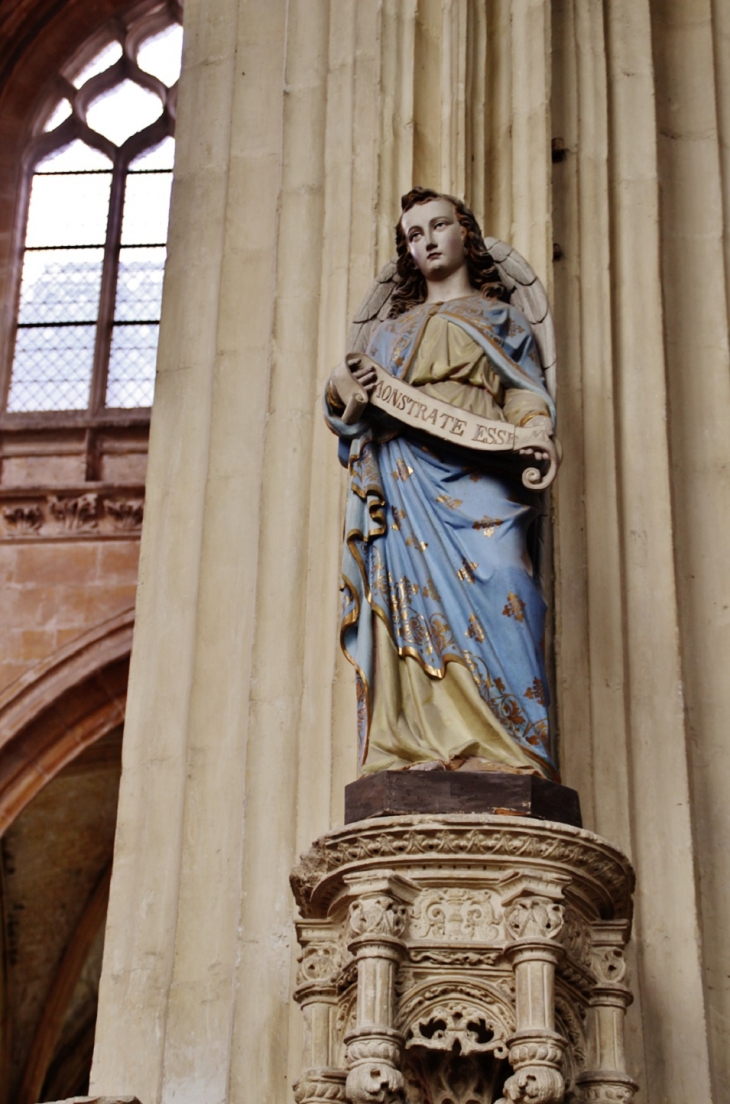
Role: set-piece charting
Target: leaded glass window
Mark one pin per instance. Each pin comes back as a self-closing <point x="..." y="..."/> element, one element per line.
<point x="100" y="175"/>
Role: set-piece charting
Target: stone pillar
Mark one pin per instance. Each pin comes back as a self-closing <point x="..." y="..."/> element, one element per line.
<point x="300" y="123"/>
<point x="606" y="1081"/>
<point x="316" y="994"/>
<point x="534" y="918"/>
<point x="295" y="140"/>
<point x="377" y="921"/>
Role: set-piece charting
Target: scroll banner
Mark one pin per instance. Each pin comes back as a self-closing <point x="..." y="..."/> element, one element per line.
<point x="450" y="423"/>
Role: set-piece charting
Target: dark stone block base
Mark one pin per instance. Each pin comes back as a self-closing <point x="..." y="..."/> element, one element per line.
<point x="400" y="793"/>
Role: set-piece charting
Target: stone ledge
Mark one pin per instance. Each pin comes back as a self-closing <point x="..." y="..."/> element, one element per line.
<point x="402" y="793"/>
<point x="99" y="1100"/>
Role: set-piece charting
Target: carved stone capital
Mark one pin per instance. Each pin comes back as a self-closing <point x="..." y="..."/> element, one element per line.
<point x="374" y="1083"/>
<point x="377" y="915"/>
<point x="534" y="917"/>
<point x="536" y="1049"/>
<point x="379" y="904"/>
<point x="316" y="1086"/>
<point x="606" y="1088"/>
<point x="374" y="1077"/>
<point x="534" y="1085"/>
<point x="609" y="965"/>
<point x="319" y="963"/>
<point x="377" y="1046"/>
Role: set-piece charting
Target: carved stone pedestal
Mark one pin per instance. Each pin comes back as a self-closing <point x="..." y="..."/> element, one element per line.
<point x="463" y="959"/>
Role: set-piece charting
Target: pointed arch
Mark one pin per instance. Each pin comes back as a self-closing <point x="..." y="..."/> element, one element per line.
<point x="60" y="707"/>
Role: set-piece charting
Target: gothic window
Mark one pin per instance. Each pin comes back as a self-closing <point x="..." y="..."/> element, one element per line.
<point x="99" y="174"/>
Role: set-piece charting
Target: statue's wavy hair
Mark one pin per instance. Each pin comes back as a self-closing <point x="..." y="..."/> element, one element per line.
<point x="483" y="273"/>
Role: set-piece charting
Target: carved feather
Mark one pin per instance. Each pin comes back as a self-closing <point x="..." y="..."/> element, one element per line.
<point x="373" y="310"/>
<point x="530" y="297"/>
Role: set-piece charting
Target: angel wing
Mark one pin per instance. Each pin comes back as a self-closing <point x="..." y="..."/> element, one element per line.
<point x="530" y="297"/>
<point x="373" y="310"/>
<point x="526" y="291"/>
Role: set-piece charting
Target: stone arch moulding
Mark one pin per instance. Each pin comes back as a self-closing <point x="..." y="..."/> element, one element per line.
<point x="51" y="714"/>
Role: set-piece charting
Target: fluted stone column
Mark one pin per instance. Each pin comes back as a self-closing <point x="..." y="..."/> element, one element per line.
<point x="300" y="123"/>
<point x="295" y="140"/>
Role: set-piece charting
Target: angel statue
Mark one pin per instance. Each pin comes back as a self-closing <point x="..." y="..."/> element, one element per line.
<point x="445" y="416"/>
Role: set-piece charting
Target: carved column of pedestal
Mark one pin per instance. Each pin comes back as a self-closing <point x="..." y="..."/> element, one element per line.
<point x="534" y="921"/>
<point x="316" y="994"/>
<point x="606" y="1081"/>
<point x="377" y="921"/>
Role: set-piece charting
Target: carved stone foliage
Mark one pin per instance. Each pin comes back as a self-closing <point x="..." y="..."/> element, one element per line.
<point x="457" y="1014"/>
<point x="444" y="952"/>
<point x="378" y="916"/>
<point x="605" y="873"/>
<point x="536" y="1084"/>
<point x="23" y="519"/>
<point x="456" y="956"/>
<point x="374" y="1083"/>
<point x="609" y="965"/>
<point x="456" y="1021"/>
<point x="77" y="512"/>
<point x="535" y="918"/>
<point x="455" y="914"/>
<point x="319" y="962"/>
<point x="125" y="513"/>
<point x="73" y="513"/>
<point x="576" y="937"/>
<point x="320" y="1087"/>
<point x="444" y="1078"/>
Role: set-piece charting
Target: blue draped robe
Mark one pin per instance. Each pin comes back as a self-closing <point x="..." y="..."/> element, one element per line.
<point x="435" y="539"/>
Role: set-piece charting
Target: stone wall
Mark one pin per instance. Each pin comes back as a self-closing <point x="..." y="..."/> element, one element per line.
<point x="594" y="136"/>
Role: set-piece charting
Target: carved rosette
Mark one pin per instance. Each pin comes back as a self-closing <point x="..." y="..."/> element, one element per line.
<point x="467" y="953"/>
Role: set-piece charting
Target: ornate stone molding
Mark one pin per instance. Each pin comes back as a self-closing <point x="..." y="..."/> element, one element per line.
<point x="454" y="914"/>
<point x="471" y="952"/>
<point x="86" y="511"/>
<point x="605" y="872"/>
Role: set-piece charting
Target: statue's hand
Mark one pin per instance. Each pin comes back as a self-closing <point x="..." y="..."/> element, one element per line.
<point x="547" y="449"/>
<point x="351" y="383"/>
<point x="363" y="373"/>
<point x="540" y="445"/>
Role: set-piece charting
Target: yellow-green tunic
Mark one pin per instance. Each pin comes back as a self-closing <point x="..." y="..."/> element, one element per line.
<point x="417" y="718"/>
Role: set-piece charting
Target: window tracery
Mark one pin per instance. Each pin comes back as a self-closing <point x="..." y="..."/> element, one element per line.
<point x="100" y="173"/>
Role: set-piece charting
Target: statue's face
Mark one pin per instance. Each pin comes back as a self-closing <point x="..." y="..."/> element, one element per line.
<point x="435" y="238"/>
